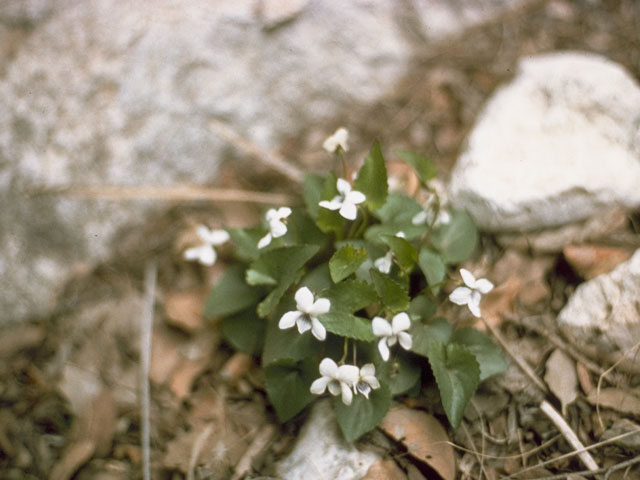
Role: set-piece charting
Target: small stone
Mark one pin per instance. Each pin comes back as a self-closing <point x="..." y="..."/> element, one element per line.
<point x="605" y="311"/>
<point x="535" y="157"/>
<point x="322" y="453"/>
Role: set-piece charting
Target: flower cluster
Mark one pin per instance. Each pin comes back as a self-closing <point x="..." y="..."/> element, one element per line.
<point x="345" y="380"/>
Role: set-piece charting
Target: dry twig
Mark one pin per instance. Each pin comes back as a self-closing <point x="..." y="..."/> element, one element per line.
<point x="569" y="435"/>
<point x="171" y="193"/>
<point x="270" y="159"/>
<point x="150" y="276"/>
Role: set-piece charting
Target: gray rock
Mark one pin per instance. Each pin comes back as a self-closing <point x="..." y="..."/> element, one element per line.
<point x="321" y="453"/>
<point x="105" y="92"/>
<point x="605" y="311"/>
<point x="559" y="144"/>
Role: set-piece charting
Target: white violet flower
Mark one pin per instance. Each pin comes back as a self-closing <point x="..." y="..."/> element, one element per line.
<point x="367" y="380"/>
<point x="306" y="317"/>
<point x="346" y="201"/>
<point x="425" y="216"/>
<point x="277" y="228"/>
<point x="205" y="253"/>
<point x="339" y="139"/>
<point x="471" y="294"/>
<point x="383" y="264"/>
<point x="392" y="332"/>
<point x="338" y="379"/>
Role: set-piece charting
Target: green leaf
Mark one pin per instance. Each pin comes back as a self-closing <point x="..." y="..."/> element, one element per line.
<point x="422" y="308"/>
<point x="302" y="230"/>
<point x="231" y="294"/>
<point x="432" y="267"/>
<point x="282" y="265"/>
<point x="457" y="239"/>
<point x="350" y="296"/>
<point x="424" y="167"/>
<point x="401" y="374"/>
<point x="423" y="335"/>
<point x="329" y="221"/>
<point x="346" y="325"/>
<point x="404" y="253"/>
<point x="312" y="188"/>
<point x="398" y="209"/>
<point x="280" y="344"/>
<point x="317" y="279"/>
<point x="287" y="383"/>
<point x="346" y="261"/>
<point x="393" y="295"/>
<point x="457" y="374"/>
<point x="362" y="415"/>
<point x="245" y="242"/>
<point x="372" y="178"/>
<point x="245" y="332"/>
<point x="488" y="354"/>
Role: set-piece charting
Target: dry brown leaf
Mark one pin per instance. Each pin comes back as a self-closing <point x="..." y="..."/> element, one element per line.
<point x="184" y="309"/>
<point x="92" y="434"/>
<point x="531" y="271"/>
<point x="561" y="378"/>
<point x="20" y="338"/>
<point x="621" y="427"/>
<point x="424" y="437"/>
<point x="592" y="260"/>
<point x="236" y="367"/>
<point x="616" y="399"/>
<point x="584" y="378"/>
<point x="165" y="353"/>
<point x="384" y="470"/>
<point x="76" y="455"/>
<point x="500" y="300"/>
<point x="185" y="374"/>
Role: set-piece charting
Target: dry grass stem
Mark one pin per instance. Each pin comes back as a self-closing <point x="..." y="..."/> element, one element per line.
<point x="150" y="276"/>
<point x="605" y="373"/>
<point x="260" y="442"/>
<point x="269" y="159"/>
<point x="197" y="449"/>
<point x="172" y="193"/>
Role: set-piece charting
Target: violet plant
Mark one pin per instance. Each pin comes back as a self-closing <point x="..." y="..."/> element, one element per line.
<point x="339" y="297"/>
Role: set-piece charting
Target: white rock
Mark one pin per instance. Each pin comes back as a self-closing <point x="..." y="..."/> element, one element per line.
<point x="559" y="144"/>
<point x="605" y="311"/>
<point x="112" y="92"/>
<point x="321" y="453"/>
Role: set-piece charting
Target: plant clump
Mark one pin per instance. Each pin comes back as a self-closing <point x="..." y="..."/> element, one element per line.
<point x="358" y="271"/>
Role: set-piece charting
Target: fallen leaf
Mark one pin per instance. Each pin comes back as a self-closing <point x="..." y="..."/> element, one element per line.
<point x="584" y="378"/>
<point x="621" y="427"/>
<point x="424" y="437"/>
<point x="592" y="260"/>
<point x="555" y="239"/>
<point x="91" y="435"/>
<point x="236" y="367"/>
<point x="76" y="455"/>
<point x="384" y="470"/>
<point x="532" y="272"/>
<point x="184" y="309"/>
<point x="562" y="379"/>
<point x="500" y="300"/>
<point x="165" y="353"/>
<point x="20" y="338"/>
<point x="616" y="399"/>
<point x="185" y="374"/>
